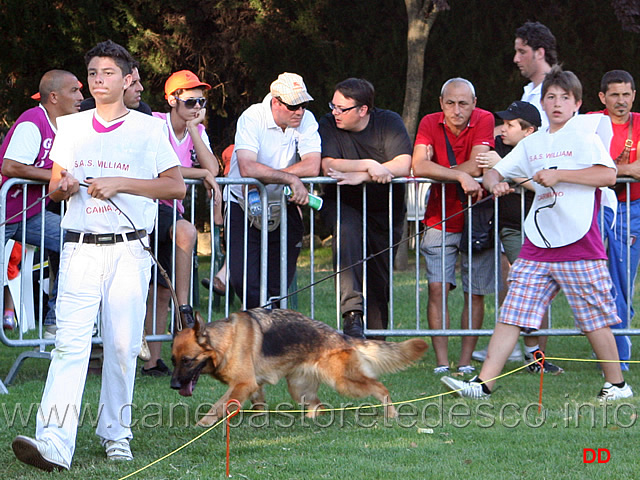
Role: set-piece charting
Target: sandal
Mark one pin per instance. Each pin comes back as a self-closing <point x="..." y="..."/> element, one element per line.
<point x="145" y="353"/>
<point x="118" y="450"/>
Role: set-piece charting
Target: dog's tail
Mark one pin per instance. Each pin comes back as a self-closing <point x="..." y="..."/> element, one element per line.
<point x="388" y="357"/>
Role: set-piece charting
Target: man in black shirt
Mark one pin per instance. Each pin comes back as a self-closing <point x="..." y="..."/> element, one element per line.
<point x="362" y="144"/>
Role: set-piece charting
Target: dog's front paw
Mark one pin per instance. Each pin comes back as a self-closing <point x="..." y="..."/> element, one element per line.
<point x="208" y="420"/>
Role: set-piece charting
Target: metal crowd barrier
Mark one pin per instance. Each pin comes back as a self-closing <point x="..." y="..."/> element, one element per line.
<point x="39" y="344"/>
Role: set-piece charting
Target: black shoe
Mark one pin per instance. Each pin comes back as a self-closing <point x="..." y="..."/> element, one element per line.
<point x="160" y="370"/>
<point x="535" y="367"/>
<point x="186" y="315"/>
<point x="352" y="324"/>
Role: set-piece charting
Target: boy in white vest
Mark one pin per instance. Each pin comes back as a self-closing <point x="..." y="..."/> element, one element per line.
<point x="124" y="161"/>
<point x="563" y="248"/>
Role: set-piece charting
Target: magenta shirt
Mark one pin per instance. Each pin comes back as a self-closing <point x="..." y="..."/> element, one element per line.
<point x="185" y="151"/>
<point x="38" y="117"/>
<point x="589" y="247"/>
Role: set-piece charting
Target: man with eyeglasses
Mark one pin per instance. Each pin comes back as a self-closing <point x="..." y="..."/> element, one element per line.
<point x="185" y="95"/>
<point x="276" y="142"/>
<point x="362" y="144"/>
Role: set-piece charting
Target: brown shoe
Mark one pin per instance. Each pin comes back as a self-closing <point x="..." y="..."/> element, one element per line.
<point x="219" y="287"/>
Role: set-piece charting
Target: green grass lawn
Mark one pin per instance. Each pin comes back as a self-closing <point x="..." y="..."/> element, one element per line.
<point x="436" y="436"/>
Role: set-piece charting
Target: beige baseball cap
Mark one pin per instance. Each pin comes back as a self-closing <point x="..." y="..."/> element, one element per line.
<point x="290" y="88"/>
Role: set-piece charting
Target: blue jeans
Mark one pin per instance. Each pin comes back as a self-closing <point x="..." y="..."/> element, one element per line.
<point x="617" y="251"/>
<point x="51" y="242"/>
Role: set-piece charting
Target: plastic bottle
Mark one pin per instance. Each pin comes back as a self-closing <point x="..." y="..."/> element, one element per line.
<point x="315" y="202"/>
<point x="255" y="204"/>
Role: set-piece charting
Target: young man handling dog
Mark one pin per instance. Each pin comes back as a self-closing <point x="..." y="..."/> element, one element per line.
<point x="563" y="248"/>
<point x="125" y="156"/>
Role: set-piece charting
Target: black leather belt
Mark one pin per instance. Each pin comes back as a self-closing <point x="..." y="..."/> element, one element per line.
<point x="103" y="238"/>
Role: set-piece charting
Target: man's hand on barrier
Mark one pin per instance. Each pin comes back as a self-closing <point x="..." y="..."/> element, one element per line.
<point x="348" y="178"/>
<point x="379" y="173"/>
<point x="470" y="186"/>
<point x="299" y="193"/>
<point x="629" y="170"/>
<point x="212" y="187"/>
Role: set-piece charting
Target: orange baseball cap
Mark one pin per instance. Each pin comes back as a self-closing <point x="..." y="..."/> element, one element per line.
<point x="36" y="96"/>
<point x="184" y="79"/>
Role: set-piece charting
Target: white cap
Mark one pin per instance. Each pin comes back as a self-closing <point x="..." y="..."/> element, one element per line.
<point x="290" y="88"/>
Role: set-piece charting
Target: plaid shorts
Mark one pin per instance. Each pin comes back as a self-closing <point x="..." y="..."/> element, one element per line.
<point x="585" y="283"/>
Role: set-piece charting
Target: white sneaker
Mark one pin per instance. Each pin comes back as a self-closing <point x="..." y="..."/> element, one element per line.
<point x="440" y="369"/>
<point x="610" y="392"/>
<point x="467" y="369"/>
<point x="38" y="453"/>
<point x="118" y="449"/>
<point x="50" y="332"/>
<point x="516" y="355"/>
<point x="463" y="388"/>
<point x="480" y="355"/>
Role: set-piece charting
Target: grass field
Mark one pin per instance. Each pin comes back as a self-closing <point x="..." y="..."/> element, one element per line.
<point x="436" y="436"/>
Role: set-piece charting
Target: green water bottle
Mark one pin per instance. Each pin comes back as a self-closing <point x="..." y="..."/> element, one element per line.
<point x="315" y="202"/>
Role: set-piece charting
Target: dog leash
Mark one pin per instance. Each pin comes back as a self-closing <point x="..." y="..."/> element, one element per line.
<point x="271" y="303"/>
<point x="180" y="322"/>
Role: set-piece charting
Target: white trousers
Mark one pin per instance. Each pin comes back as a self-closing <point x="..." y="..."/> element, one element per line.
<point x="111" y="280"/>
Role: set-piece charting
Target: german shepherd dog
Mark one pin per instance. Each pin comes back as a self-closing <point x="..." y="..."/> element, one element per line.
<point x="258" y="346"/>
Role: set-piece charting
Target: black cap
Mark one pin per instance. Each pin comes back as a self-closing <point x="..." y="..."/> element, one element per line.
<point x="523" y="110"/>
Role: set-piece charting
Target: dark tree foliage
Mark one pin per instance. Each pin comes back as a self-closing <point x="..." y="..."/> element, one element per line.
<point x="240" y="46"/>
<point x="628" y="12"/>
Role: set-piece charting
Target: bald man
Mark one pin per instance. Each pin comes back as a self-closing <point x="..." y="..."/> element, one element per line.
<point x="25" y="154"/>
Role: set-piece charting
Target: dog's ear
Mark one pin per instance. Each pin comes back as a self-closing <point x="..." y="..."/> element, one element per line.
<point x="199" y="326"/>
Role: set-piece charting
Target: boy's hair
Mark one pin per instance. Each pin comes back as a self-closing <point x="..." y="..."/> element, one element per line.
<point x="524" y="125"/>
<point x="537" y="35"/>
<point x="564" y="79"/>
<point x="116" y="52"/>
<point x="359" y="89"/>
<point x="616" y="76"/>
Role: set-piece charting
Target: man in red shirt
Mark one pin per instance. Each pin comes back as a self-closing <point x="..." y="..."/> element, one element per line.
<point x="469" y="131"/>
<point x="617" y="92"/>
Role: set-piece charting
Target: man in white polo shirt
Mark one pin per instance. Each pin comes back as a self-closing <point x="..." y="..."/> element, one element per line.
<point x="276" y="142"/>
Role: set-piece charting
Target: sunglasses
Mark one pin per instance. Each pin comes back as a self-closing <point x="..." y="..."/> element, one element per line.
<point x="294" y="108"/>
<point x="192" y="102"/>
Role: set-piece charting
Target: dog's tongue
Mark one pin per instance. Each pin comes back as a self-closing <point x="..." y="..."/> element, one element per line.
<point x="187" y="390"/>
